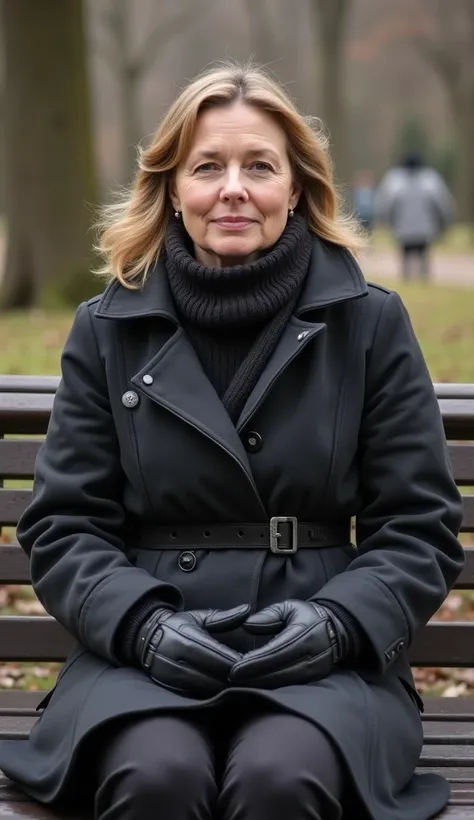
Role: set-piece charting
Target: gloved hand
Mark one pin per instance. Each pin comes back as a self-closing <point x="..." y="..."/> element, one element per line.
<point x="178" y="651"/>
<point x="310" y="642"/>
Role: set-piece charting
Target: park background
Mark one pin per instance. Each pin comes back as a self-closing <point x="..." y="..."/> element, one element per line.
<point x="84" y="82"/>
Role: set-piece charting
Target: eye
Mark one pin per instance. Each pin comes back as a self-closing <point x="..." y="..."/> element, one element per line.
<point x="260" y="166"/>
<point x="206" y="166"/>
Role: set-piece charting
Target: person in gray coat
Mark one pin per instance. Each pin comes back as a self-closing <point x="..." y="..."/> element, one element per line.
<point x="236" y="396"/>
<point x="416" y="203"/>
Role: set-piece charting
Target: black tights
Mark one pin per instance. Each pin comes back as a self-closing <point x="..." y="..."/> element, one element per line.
<point x="275" y="766"/>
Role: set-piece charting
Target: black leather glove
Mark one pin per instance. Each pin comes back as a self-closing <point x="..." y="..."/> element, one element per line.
<point x="178" y="651"/>
<point x="310" y="642"/>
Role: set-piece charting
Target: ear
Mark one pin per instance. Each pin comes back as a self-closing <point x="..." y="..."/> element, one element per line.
<point x="173" y="194"/>
<point x="295" y="194"/>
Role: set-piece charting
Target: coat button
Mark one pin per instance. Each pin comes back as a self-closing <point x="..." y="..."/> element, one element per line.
<point x="130" y="399"/>
<point x="147" y="379"/>
<point x="303" y="335"/>
<point x="187" y="561"/>
<point x="253" y="441"/>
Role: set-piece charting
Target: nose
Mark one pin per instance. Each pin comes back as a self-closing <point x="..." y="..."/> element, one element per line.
<point x="233" y="189"/>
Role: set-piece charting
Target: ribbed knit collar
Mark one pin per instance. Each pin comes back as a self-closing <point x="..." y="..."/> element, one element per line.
<point x="242" y="295"/>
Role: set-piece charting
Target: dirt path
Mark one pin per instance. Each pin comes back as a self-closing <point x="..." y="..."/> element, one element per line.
<point x="447" y="268"/>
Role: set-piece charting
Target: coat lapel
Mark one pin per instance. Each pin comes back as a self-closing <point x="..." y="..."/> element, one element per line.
<point x="294" y="338"/>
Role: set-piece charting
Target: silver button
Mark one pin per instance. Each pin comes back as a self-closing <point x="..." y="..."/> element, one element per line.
<point x="130" y="399"/>
<point x="302" y="335"/>
<point x="147" y="379"/>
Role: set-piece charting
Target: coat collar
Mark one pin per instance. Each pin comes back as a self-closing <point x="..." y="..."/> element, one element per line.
<point x="333" y="276"/>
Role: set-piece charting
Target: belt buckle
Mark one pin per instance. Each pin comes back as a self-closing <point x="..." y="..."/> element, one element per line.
<point x="275" y="534"/>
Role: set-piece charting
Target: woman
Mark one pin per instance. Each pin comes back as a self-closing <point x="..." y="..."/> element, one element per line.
<point x="232" y="400"/>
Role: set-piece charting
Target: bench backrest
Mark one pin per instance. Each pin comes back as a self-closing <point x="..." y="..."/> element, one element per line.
<point x="25" y="406"/>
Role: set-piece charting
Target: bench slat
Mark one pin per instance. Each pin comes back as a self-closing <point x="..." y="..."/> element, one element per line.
<point x="12" y="505"/>
<point x="456" y="755"/>
<point x="49" y="384"/>
<point x="14" y="567"/>
<point x="447" y="644"/>
<point x="25" y="414"/>
<point x="33" y="638"/>
<point x="462" y="462"/>
<point x="436" y="708"/>
<point x="466" y="578"/>
<point x="13" y="502"/>
<point x="40" y="638"/>
<point x="455" y="774"/>
<point x="18" y="699"/>
<point x="17" y="457"/>
<point x="468" y="513"/>
<point x="448" y="732"/>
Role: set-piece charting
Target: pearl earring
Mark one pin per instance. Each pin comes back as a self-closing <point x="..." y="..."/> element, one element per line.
<point x="291" y="212"/>
<point x="177" y="214"/>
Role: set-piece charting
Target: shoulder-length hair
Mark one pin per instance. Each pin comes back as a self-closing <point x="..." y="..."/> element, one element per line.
<point x="132" y="229"/>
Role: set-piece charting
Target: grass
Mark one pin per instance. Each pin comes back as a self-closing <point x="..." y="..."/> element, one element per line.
<point x="443" y="318"/>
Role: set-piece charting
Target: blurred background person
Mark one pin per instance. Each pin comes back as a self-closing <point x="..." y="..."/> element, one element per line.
<point x="416" y="204"/>
<point x="363" y="196"/>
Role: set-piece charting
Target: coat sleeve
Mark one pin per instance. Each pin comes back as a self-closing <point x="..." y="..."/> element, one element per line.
<point x="408" y="552"/>
<point x="73" y="528"/>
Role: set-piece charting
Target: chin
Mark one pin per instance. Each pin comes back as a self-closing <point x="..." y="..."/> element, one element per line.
<point x="236" y="249"/>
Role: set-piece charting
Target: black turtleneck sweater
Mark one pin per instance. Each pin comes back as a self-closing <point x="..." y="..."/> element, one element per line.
<point x="235" y="315"/>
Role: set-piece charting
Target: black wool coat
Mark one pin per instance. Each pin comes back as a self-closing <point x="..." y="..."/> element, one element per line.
<point x="348" y="426"/>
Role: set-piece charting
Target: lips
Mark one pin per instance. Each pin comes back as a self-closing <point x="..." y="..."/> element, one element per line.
<point x="233" y="222"/>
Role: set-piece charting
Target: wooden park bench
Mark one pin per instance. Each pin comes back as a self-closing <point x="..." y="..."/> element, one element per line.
<point x="25" y="404"/>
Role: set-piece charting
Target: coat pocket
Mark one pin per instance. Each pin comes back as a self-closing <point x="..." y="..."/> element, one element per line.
<point x="413" y="694"/>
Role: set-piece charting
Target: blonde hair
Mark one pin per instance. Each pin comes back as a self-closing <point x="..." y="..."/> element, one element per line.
<point x="132" y="229"/>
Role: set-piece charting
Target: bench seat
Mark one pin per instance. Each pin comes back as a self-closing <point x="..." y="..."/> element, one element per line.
<point x="25" y="405"/>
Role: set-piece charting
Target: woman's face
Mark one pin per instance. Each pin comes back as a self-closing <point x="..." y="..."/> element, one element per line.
<point x="235" y="187"/>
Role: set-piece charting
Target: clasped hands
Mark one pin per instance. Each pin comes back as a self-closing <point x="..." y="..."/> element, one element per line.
<point x="179" y="650"/>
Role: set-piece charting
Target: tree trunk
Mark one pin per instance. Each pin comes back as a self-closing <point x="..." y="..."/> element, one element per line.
<point x="49" y="180"/>
<point x="463" y="110"/>
<point x="331" y="25"/>
<point x="129" y="86"/>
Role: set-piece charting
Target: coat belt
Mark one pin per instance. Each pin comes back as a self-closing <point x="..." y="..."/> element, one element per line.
<point x="282" y="535"/>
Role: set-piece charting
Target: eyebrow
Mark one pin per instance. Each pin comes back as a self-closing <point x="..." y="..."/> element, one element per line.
<point x="252" y="152"/>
